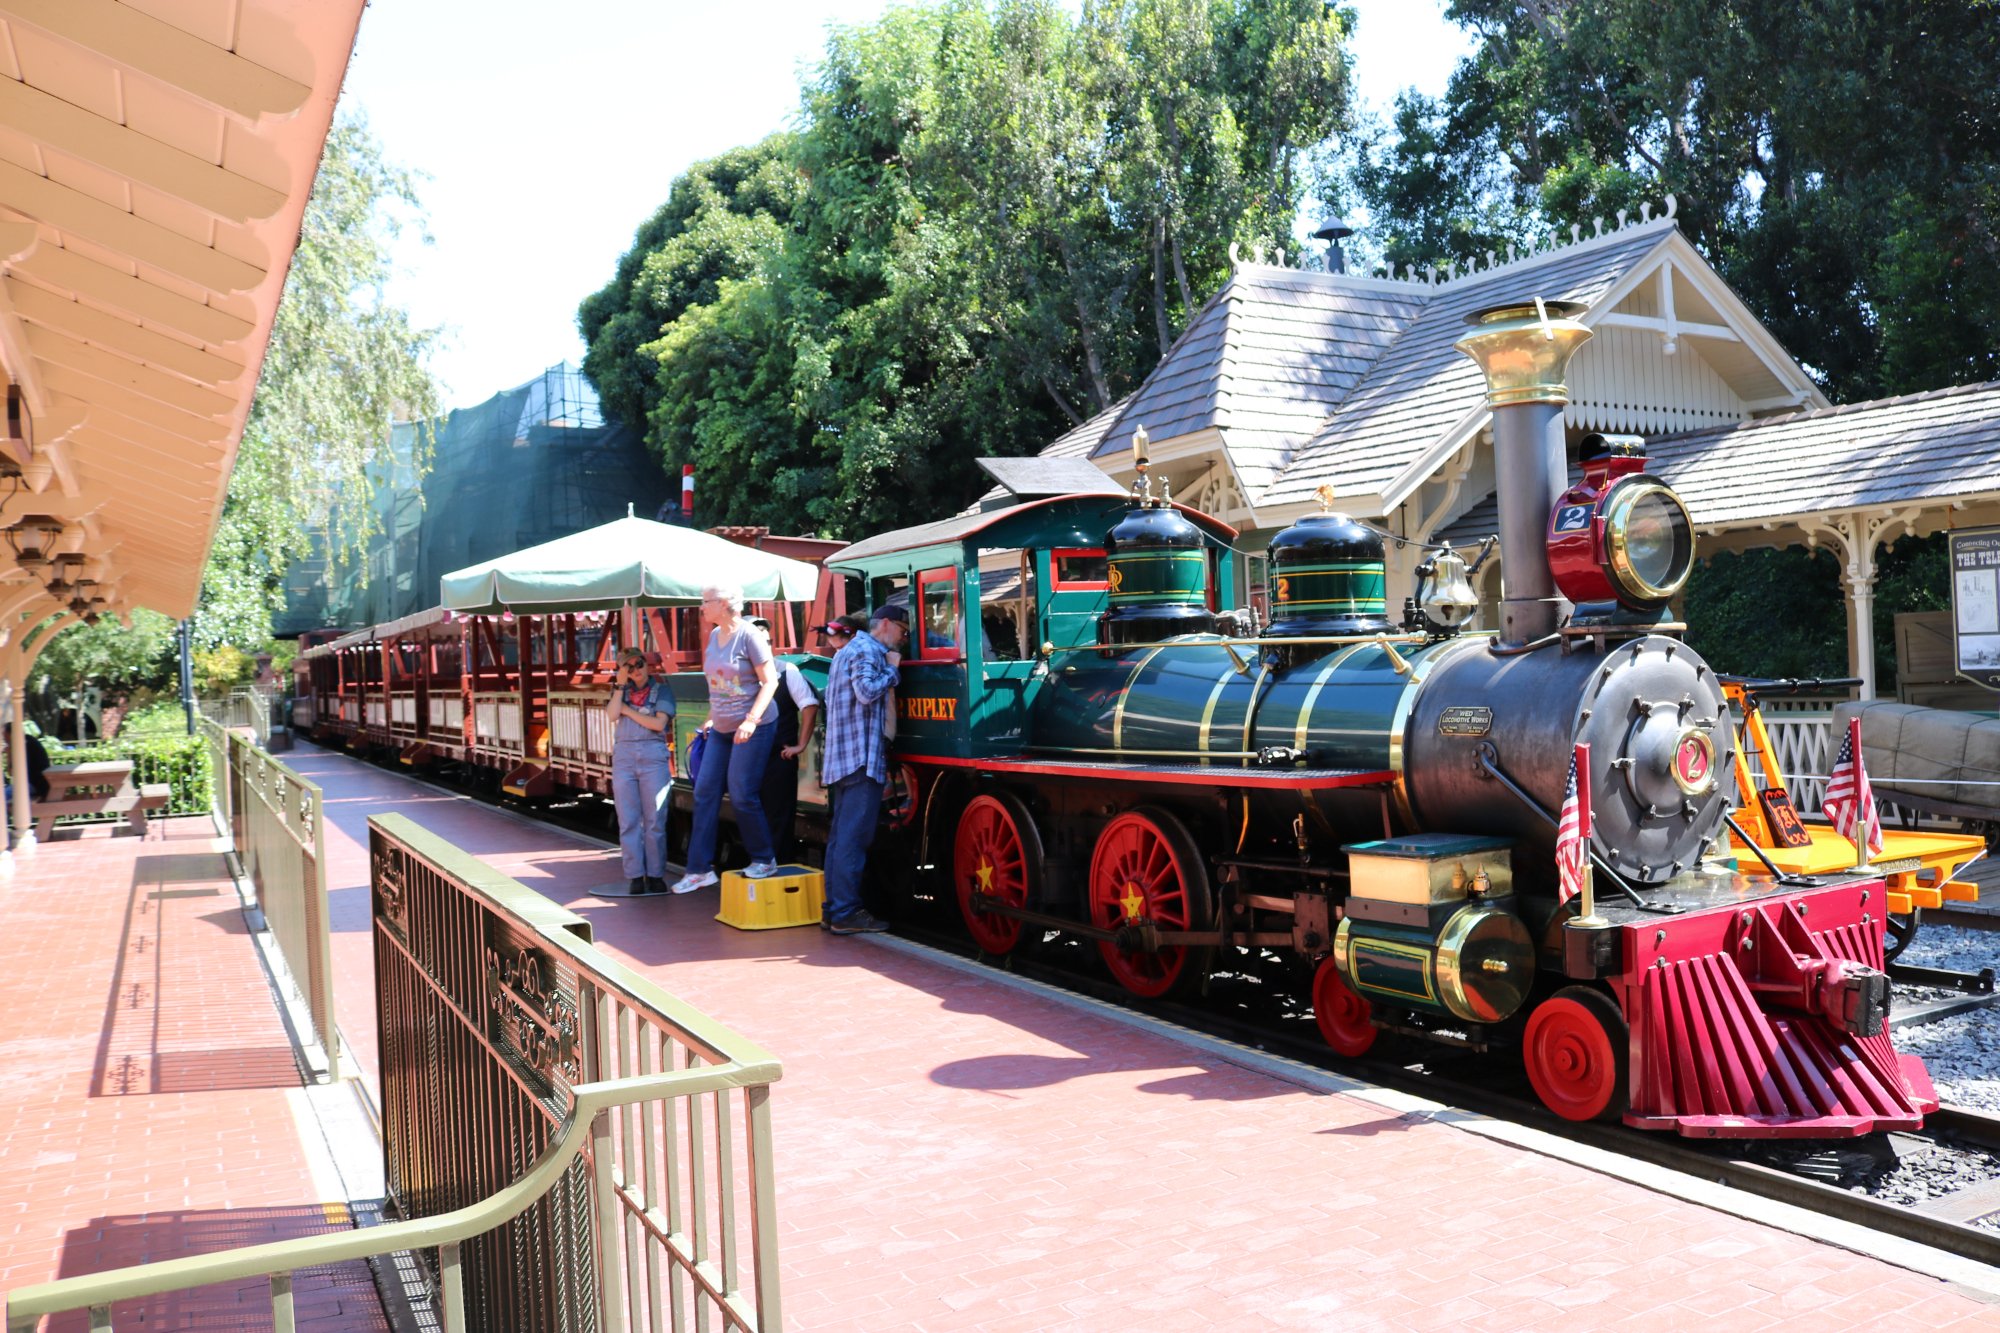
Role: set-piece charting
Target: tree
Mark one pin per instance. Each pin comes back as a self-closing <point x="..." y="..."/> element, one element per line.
<point x="995" y="225"/>
<point x="111" y="655"/>
<point x="1837" y="160"/>
<point x="341" y="365"/>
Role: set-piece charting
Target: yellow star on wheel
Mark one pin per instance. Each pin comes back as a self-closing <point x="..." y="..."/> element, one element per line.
<point x="1132" y="902"/>
<point x="985" y="877"/>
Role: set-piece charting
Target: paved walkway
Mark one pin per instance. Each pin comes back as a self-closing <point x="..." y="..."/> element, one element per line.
<point x="148" y="1108"/>
<point x="953" y="1153"/>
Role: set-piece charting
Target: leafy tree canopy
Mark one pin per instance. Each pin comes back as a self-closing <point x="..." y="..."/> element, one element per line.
<point x="110" y="655"/>
<point x="341" y="364"/>
<point x="1838" y="160"/>
<point x="991" y="221"/>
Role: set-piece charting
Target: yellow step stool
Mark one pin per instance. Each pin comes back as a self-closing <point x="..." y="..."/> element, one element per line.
<point x="792" y="897"/>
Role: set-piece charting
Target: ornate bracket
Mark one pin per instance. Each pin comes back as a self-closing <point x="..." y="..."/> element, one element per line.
<point x="530" y="1014"/>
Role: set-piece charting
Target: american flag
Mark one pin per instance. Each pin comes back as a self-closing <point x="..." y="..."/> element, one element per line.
<point x="1848" y="796"/>
<point x="1572" y="831"/>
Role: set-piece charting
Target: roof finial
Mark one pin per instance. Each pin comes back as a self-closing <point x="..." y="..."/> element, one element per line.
<point x="1233" y="260"/>
<point x="1575" y="232"/>
<point x="1673" y="205"/>
<point x="1621" y="218"/>
<point x="1325" y="493"/>
<point x="628" y="510"/>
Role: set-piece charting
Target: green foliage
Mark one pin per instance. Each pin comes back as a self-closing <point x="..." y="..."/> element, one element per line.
<point x="1770" y="608"/>
<point x="342" y="362"/>
<point x="217" y="669"/>
<point x="1837" y="160"/>
<point x="108" y="654"/>
<point x="154" y="717"/>
<point x="991" y="221"/>
<point x="180" y="761"/>
<point x="1781" y="611"/>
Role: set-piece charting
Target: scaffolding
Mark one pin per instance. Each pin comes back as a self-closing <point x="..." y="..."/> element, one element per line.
<point x="528" y="465"/>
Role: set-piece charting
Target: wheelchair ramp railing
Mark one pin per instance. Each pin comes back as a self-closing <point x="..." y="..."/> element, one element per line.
<point x="570" y="1147"/>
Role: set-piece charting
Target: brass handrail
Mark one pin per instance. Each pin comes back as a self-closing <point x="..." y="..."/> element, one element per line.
<point x="275" y="1259"/>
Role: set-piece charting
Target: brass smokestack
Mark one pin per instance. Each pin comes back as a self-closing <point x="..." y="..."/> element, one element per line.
<point x="1524" y="348"/>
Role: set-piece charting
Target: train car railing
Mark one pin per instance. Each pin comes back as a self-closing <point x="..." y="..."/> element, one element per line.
<point x="377" y="714"/>
<point x="403" y="714"/>
<point x="496" y="723"/>
<point x="447" y="711"/>
<point x="571" y="1147"/>
<point x="275" y="821"/>
<point x="580" y="729"/>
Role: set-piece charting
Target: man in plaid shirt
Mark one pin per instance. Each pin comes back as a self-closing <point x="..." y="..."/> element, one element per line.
<point x="855" y="762"/>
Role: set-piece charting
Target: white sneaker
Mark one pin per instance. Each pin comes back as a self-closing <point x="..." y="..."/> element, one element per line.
<point x="761" y="869"/>
<point x="689" y="883"/>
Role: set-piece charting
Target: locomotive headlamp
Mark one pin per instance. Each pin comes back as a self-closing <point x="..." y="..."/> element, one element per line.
<point x="1619" y="535"/>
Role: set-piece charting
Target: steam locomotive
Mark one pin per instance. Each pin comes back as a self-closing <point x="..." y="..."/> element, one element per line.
<point x="1086" y="743"/>
<point x="1083" y="747"/>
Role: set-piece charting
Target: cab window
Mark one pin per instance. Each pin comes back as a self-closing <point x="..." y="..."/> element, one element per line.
<point x="938" y="635"/>
<point x="1080" y="569"/>
<point x="1007" y="604"/>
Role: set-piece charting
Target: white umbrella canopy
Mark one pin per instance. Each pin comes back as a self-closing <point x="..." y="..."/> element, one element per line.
<point x="628" y="560"/>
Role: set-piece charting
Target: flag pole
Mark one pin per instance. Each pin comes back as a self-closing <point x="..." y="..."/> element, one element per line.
<point x="1587" y="915"/>
<point x="1858" y="827"/>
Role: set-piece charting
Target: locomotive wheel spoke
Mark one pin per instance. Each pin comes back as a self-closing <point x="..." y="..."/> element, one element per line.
<point x="1146" y="868"/>
<point x="997" y="853"/>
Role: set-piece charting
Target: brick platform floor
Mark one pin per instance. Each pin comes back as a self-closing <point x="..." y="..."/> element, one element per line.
<point x="147" y="1107"/>
<point x="956" y="1154"/>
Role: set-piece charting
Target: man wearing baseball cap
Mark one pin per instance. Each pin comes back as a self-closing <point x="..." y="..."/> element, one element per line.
<point x="855" y="762"/>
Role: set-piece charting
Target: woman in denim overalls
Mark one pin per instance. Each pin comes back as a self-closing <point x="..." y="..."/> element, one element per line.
<point x="642" y="769"/>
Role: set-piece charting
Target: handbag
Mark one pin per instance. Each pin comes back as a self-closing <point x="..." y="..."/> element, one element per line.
<point x="695" y="747"/>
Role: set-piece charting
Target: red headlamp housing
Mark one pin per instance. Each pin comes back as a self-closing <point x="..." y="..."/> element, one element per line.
<point x="1620" y="535"/>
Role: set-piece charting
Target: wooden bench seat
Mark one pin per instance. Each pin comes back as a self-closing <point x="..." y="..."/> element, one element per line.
<point x="111" y="803"/>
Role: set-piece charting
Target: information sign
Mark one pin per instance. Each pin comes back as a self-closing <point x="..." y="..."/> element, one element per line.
<point x="1975" y="604"/>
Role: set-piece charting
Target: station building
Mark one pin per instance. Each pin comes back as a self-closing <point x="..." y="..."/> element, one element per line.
<point x="1293" y="378"/>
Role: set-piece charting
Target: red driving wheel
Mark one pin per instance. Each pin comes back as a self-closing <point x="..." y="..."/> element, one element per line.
<point x="1145" y="868"/>
<point x="1577" y="1055"/>
<point x="997" y="852"/>
<point x="1341" y="1014"/>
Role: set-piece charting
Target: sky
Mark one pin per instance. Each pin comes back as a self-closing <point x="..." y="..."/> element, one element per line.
<point x="541" y="146"/>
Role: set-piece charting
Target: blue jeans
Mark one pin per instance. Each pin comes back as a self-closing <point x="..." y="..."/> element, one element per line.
<point x="738" y="766"/>
<point x="857" y="806"/>
<point x="640" y="776"/>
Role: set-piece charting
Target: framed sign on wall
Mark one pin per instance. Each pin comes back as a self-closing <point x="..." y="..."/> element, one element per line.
<point x="1975" y="604"/>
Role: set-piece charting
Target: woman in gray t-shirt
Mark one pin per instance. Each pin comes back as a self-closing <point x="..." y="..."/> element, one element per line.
<point x="736" y="746"/>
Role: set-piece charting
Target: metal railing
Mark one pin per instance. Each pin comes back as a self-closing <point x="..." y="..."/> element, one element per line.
<point x="244" y="706"/>
<point x="1804" y="748"/>
<point x="276" y="822"/>
<point x="561" y="1135"/>
<point x="492" y="1008"/>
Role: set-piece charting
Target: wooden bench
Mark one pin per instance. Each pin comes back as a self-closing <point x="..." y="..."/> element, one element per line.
<point x="98" y="789"/>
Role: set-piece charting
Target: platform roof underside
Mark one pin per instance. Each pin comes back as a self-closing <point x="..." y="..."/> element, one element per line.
<point x="155" y="161"/>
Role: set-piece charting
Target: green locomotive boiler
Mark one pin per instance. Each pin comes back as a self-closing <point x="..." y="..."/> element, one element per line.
<point x="1089" y="741"/>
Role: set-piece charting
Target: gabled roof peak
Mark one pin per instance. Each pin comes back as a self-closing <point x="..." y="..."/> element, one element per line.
<point x="1433" y="276"/>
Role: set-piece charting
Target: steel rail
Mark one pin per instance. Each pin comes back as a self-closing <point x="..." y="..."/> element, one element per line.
<point x="586" y="1123"/>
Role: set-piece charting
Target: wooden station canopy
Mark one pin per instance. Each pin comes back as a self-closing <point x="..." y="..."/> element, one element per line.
<point x="155" y="161"/>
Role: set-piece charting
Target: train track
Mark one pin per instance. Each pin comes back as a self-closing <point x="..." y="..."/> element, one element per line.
<point x="1273" y="1019"/>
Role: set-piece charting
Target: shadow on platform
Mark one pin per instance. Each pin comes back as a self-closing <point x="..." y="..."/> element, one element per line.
<point x="340" y="1296"/>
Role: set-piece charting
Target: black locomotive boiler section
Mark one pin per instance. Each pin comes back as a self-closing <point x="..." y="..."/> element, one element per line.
<point x="1383" y="795"/>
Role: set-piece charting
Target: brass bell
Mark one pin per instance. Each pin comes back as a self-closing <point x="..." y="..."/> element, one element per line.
<point x="1449" y="600"/>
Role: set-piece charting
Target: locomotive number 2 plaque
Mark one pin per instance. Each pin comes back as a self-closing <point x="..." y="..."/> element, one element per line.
<point x="1465" y="720"/>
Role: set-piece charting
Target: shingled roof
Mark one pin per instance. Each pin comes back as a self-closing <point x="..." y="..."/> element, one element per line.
<point x="1424" y="395"/>
<point x="1264" y="361"/>
<point x="1891" y="451"/>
